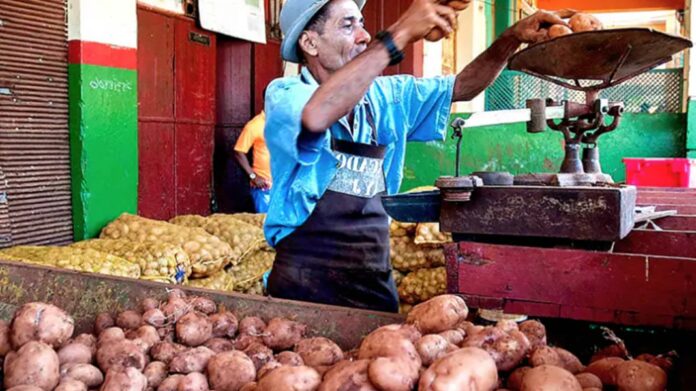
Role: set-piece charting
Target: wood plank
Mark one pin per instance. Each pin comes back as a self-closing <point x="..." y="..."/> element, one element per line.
<point x="677" y="223"/>
<point x="660" y="243"/>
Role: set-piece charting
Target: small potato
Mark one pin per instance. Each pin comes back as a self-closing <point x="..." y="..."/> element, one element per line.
<point x="76" y="353"/>
<point x="155" y="373"/>
<point x="148" y="334"/>
<point x="225" y="324"/>
<point x="509" y="352"/>
<point x="219" y="368"/>
<point x="154" y="317"/>
<point x="613" y="350"/>
<point x="260" y="354"/>
<point x="35" y="363"/>
<point x="604" y="369"/>
<point x="88" y="374"/>
<point x="267" y="368"/>
<point x="290" y="378"/>
<point x="71" y="385"/>
<point x="122" y="353"/>
<point x="514" y="381"/>
<point x="41" y="322"/>
<point x="545" y="355"/>
<point x="636" y="375"/>
<point x="175" y="309"/>
<point x="348" y="375"/>
<point x="588" y="380"/>
<point x="454" y="336"/>
<point x="559" y="30"/>
<point x="193" y="329"/>
<point x="25" y="388"/>
<point x="395" y="373"/>
<point x="243" y="341"/>
<point x="88" y="340"/>
<point x="320" y="351"/>
<point x="535" y="332"/>
<point x="124" y="379"/>
<point x="584" y="22"/>
<point x="507" y="325"/>
<point x="249" y="387"/>
<point x="5" y="345"/>
<point x="219" y="345"/>
<point x="129" y="320"/>
<point x="549" y="378"/>
<point x="148" y="304"/>
<point x="283" y="334"/>
<point x="664" y="361"/>
<point x="289" y="358"/>
<point x="203" y="305"/>
<point x="252" y="325"/>
<point x="110" y="335"/>
<point x="167" y="333"/>
<point x="102" y="322"/>
<point x="466" y="369"/>
<point x="433" y="346"/>
<point x="386" y="342"/>
<point x="569" y="361"/>
<point x="438" y="314"/>
<point x="193" y="382"/>
<point x="192" y="360"/>
<point x="171" y="383"/>
<point x="166" y="351"/>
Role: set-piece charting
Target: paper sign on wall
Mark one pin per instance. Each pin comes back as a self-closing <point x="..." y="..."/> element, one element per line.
<point x="244" y="19"/>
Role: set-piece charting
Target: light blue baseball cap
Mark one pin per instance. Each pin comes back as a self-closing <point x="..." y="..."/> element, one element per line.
<point x="294" y="17"/>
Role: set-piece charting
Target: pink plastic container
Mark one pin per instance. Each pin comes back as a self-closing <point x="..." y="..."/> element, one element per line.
<point x="661" y="172"/>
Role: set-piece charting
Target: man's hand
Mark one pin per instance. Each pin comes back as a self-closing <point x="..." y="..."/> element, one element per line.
<point x="422" y="17"/>
<point x="260" y="183"/>
<point x="535" y="27"/>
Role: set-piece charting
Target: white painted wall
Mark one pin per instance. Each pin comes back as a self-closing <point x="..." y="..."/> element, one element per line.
<point x="112" y="22"/>
<point x="471" y="41"/>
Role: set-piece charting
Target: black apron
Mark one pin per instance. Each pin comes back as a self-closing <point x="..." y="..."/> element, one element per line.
<point x="340" y="255"/>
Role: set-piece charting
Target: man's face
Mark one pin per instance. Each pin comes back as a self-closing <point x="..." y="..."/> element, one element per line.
<point x="344" y="36"/>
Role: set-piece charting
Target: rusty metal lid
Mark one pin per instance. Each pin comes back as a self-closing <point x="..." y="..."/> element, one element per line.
<point x="600" y="58"/>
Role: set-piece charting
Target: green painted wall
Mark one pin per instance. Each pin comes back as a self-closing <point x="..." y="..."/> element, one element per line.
<point x="504" y="15"/>
<point x="511" y="148"/>
<point x="104" y="145"/>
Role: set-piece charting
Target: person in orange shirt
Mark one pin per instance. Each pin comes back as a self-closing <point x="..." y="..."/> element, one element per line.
<point x="260" y="172"/>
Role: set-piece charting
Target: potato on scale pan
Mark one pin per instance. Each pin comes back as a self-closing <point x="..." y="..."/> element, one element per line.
<point x="577" y="22"/>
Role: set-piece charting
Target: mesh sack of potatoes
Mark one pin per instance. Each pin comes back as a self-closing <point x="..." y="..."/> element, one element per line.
<point x="190" y="221"/>
<point x="78" y="259"/>
<point x="407" y="256"/>
<point x="208" y="253"/>
<point x="252" y="266"/>
<point x="256" y="289"/>
<point x="423" y="285"/>
<point x="429" y="233"/>
<point x="255" y="219"/>
<point x="242" y="237"/>
<point x="220" y="281"/>
<point x="162" y="262"/>
<point x="398" y="276"/>
<point x="398" y="229"/>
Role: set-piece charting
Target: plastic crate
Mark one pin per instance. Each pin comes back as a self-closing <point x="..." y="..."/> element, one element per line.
<point x="661" y="172"/>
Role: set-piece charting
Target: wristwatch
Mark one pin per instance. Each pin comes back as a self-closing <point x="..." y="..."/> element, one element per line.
<point x="252" y="176"/>
<point x="395" y="55"/>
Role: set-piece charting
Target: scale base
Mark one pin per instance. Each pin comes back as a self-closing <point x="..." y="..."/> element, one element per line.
<point x="563" y="180"/>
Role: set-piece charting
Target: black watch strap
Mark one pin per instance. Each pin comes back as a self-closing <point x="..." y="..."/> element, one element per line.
<point x="395" y="55"/>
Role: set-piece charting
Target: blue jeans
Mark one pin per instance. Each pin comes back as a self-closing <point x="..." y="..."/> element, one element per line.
<point x="261" y="199"/>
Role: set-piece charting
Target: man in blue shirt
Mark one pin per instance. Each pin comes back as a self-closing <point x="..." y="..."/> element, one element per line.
<point x="337" y="136"/>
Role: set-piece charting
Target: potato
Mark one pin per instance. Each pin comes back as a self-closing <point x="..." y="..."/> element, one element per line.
<point x="129" y="320"/>
<point x="5" y="345"/>
<point x="123" y="353"/>
<point x="88" y="374"/>
<point x="155" y="373"/>
<point x="192" y="360"/>
<point x="249" y="387"/>
<point x="348" y="375"/>
<point x="225" y="324"/>
<point x="193" y="382"/>
<point x="154" y="317"/>
<point x="35" y="363"/>
<point x="454" y="336"/>
<point x="433" y="346"/>
<point x="584" y="22"/>
<point x="167" y="333"/>
<point x="569" y="361"/>
<point x="289" y="358"/>
<point x="394" y="373"/>
<point x="387" y="343"/>
<point x="219" y="345"/>
<point x="252" y="325"/>
<point x="25" y="388"/>
<point x="166" y="351"/>
<point x="175" y="309"/>
<point x="283" y="334"/>
<point x="203" y="305"/>
<point x="559" y="30"/>
<point x="614" y="350"/>
<point x="290" y="378"/>
<point x="588" y="380"/>
<point x="102" y="322"/>
<point x="514" y="381"/>
<point x="636" y="375"/>
<point x="545" y="355"/>
<point x="320" y="351"/>
<point x="148" y="335"/>
<point x="466" y="369"/>
<point x="438" y="314"/>
<point x="267" y="368"/>
<point x="71" y="385"/>
<point x="75" y="353"/>
<point x="110" y="335"/>
<point x="88" y="340"/>
<point x="259" y="353"/>
<point x="124" y="379"/>
<point x="509" y="351"/>
<point x="604" y="369"/>
<point x="193" y="329"/>
<point x="664" y="361"/>
<point x="171" y="383"/>
<point x="41" y="322"/>
<point x="243" y="341"/>
<point x="148" y="304"/>
<point x="229" y="371"/>
<point x="549" y="378"/>
<point x="535" y="332"/>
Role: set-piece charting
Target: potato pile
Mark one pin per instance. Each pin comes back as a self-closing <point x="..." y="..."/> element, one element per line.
<point x="578" y="22"/>
<point x="189" y="343"/>
<point x="208" y="254"/>
<point x="78" y="259"/>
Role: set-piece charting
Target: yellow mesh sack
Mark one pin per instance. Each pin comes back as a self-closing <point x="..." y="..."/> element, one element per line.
<point x="423" y="285"/>
<point x="252" y="266"/>
<point x="220" y="281"/>
<point x="407" y="256"/>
